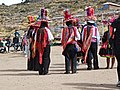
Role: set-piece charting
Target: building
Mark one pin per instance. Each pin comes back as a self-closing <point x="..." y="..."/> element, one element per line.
<point x="111" y="6"/>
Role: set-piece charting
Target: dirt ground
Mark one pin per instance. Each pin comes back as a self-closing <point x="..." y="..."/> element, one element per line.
<point x="14" y="75"/>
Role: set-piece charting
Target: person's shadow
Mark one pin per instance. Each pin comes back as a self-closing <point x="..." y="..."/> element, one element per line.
<point x="92" y="86"/>
<point x="17" y="72"/>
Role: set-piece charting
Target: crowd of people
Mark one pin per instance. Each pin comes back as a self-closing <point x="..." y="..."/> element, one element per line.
<point x="15" y="43"/>
<point x="85" y="42"/>
<point x="7" y="43"/>
<point x="76" y="42"/>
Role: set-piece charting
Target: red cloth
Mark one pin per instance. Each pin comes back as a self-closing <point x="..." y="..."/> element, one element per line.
<point x="87" y="42"/>
<point x="68" y="37"/>
<point x="34" y="44"/>
<point x="64" y="36"/>
<point x="41" y="44"/>
<point x="111" y="31"/>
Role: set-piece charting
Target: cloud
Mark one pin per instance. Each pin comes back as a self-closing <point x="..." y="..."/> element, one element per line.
<point x="10" y="2"/>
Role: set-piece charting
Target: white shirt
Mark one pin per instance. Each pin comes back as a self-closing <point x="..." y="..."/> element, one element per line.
<point x="77" y="35"/>
<point x="95" y="34"/>
<point x="50" y="36"/>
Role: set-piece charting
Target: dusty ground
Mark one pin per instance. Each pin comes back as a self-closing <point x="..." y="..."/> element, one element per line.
<point x="14" y="76"/>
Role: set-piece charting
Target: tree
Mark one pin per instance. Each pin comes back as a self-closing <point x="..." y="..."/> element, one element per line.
<point x="3" y="3"/>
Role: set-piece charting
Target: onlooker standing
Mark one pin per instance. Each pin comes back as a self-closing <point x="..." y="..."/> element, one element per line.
<point x="25" y="41"/>
<point x="17" y="33"/>
<point x="116" y="25"/>
<point x="70" y="35"/>
<point x="8" y="43"/>
<point x="20" y="43"/>
<point x="4" y="43"/>
<point x="16" y="42"/>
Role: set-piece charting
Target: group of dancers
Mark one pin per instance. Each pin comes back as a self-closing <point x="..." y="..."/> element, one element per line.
<point x="74" y="43"/>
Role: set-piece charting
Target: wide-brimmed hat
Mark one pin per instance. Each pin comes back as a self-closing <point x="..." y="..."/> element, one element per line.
<point x="32" y="19"/>
<point x="43" y="18"/>
<point x="90" y="22"/>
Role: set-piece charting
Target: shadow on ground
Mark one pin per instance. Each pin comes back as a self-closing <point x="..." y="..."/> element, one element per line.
<point x="19" y="74"/>
<point x="92" y="86"/>
<point x="16" y="72"/>
<point x="13" y="70"/>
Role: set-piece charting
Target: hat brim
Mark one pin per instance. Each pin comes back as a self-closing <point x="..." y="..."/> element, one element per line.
<point x="69" y="20"/>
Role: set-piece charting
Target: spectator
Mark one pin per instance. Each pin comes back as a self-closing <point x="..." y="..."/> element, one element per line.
<point x="8" y="43"/>
<point x="116" y="41"/>
<point x="16" y="42"/>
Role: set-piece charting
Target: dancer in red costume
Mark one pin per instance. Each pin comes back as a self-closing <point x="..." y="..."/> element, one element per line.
<point x="90" y="37"/>
<point x="41" y="43"/>
<point x="70" y="35"/>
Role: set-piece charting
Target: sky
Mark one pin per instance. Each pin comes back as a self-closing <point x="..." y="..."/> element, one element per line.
<point x="10" y="2"/>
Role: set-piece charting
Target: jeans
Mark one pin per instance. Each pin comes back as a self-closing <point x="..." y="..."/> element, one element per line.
<point x="70" y="58"/>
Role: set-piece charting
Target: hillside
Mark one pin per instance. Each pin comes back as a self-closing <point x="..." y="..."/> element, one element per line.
<point x="15" y="16"/>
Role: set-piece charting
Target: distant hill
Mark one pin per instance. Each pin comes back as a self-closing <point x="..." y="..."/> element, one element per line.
<point x="37" y="1"/>
<point x="15" y="16"/>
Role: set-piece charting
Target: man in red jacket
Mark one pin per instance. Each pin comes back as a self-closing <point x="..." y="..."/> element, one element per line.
<point x="70" y="35"/>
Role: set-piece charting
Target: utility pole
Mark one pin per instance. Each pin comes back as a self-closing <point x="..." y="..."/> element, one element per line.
<point x="102" y="24"/>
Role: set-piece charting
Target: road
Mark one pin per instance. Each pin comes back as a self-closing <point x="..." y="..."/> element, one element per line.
<point x="14" y="76"/>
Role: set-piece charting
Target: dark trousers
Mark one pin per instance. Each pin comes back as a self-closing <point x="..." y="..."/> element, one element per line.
<point x="70" y="62"/>
<point x="92" y="53"/>
<point x="30" y="65"/>
<point x="8" y="48"/>
<point x="30" y="62"/>
<point x="70" y="59"/>
<point x="44" y="67"/>
<point x="117" y="55"/>
<point x="33" y="63"/>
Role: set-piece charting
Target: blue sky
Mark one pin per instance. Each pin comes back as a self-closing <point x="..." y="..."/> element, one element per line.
<point x="10" y="2"/>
